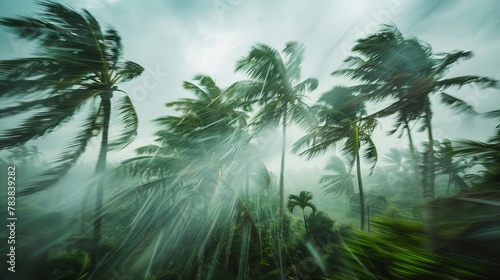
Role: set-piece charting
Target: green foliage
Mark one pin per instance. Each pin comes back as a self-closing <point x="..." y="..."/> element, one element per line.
<point x="397" y="251"/>
<point x="321" y="228"/>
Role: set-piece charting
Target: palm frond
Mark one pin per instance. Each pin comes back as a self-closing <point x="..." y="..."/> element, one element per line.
<point x="295" y="56"/>
<point x="70" y="156"/>
<point x="457" y="104"/>
<point x="492" y="114"/>
<point x="126" y="71"/>
<point x="370" y="151"/>
<point x="451" y="58"/>
<point x="56" y="112"/>
<point x="465" y="80"/>
<point x="308" y="84"/>
<point x="129" y="123"/>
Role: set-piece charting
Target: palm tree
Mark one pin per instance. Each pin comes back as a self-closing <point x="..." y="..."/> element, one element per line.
<point x="400" y="168"/>
<point x="454" y="168"/>
<point x="340" y="180"/>
<point x="24" y="155"/>
<point x="407" y="71"/>
<point x="342" y="120"/>
<point x="303" y="200"/>
<point x="396" y="161"/>
<point x="486" y="154"/>
<point x="74" y="72"/>
<point x="198" y="157"/>
<point x="275" y="86"/>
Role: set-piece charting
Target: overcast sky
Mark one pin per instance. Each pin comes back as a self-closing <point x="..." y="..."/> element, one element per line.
<point x="176" y="39"/>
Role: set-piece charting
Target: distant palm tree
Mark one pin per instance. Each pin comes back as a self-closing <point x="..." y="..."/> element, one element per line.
<point x="24" y="155"/>
<point x="454" y="168"/>
<point x="275" y="86"/>
<point x="396" y="161"/>
<point x="400" y="167"/>
<point x="342" y="122"/>
<point x="303" y="200"/>
<point x="74" y="73"/>
<point x="340" y="180"/>
<point x="486" y="154"/>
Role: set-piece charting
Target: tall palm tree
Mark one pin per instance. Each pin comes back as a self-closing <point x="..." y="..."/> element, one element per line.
<point x="275" y="86"/>
<point x="408" y="72"/>
<point x="74" y="71"/>
<point x="303" y="200"/>
<point x="342" y="122"/>
<point x="340" y="180"/>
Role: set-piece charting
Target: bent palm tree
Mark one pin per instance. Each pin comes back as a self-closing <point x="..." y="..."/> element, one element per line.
<point x="275" y="86"/>
<point x="74" y="72"/>
<point x="303" y="200"/>
<point x="341" y="120"/>
<point x="407" y="70"/>
<point x="390" y="66"/>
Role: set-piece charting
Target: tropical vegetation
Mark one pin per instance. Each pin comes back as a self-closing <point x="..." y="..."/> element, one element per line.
<point x="201" y="201"/>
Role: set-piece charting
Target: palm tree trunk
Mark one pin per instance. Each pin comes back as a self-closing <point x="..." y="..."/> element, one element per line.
<point x="430" y="153"/>
<point x="429" y="195"/>
<point x="361" y="194"/>
<point x="282" y="171"/>
<point x="305" y="220"/>
<point x="410" y="140"/>
<point x="360" y="181"/>
<point x="101" y="166"/>
<point x="414" y="159"/>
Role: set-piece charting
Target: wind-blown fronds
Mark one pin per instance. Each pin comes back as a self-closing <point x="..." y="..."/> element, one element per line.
<point x="76" y="61"/>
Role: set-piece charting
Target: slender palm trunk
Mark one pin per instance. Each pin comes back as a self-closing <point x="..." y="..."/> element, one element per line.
<point x="430" y="153"/>
<point x="360" y="181"/>
<point x="282" y="193"/>
<point x="410" y="140"/>
<point x="305" y="220"/>
<point x="414" y="160"/>
<point x="101" y="166"/>
<point x="429" y="194"/>
<point x="361" y="194"/>
<point x="282" y="171"/>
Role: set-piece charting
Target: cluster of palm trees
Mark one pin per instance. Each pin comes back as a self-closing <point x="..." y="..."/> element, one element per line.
<point x="210" y="142"/>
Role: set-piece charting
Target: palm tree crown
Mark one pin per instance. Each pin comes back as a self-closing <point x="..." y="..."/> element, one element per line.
<point x="275" y="86"/>
<point x="75" y="70"/>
